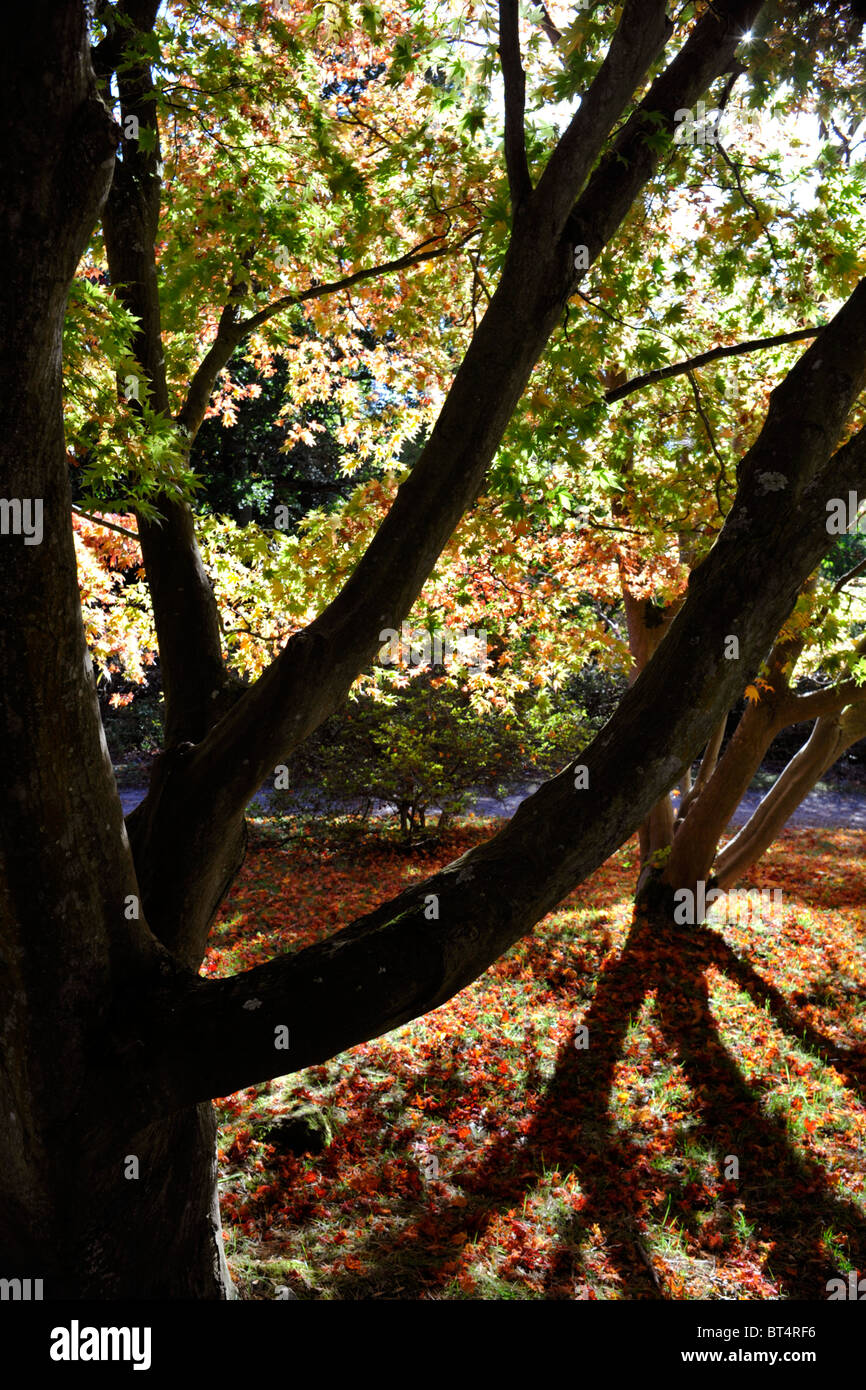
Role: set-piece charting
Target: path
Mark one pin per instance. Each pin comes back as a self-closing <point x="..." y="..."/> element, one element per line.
<point x="828" y="810"/>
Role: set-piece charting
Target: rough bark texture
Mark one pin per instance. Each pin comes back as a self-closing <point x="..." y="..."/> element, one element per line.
<point x="68" y="945"/>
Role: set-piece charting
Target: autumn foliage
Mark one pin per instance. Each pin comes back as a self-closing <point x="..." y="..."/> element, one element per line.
<point x="485" y="1152"/>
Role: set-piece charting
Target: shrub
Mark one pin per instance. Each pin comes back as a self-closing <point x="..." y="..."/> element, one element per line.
<point x="426" y="746"/>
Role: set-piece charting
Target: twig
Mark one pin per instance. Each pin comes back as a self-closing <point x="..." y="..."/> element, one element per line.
<point x="846" y="578"/>
<point x="618" y="393"/>
<point x="722" y="476"/>
<point x="112" y="526"/>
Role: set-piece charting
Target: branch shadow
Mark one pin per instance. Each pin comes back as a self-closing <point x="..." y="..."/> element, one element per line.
<point x="785" y="1195"/>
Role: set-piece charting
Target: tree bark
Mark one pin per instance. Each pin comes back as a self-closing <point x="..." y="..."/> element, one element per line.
<point x="830" y="737"/>
<point x="697" y="836"/>
<point x="647" y="625"/>
<point x="709" y="762"/>
<point x="68" y="942"/>
<point x="195" y="682"/>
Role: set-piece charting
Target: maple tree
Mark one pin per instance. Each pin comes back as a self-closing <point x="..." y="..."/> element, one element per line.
<point x="104" y="924"/>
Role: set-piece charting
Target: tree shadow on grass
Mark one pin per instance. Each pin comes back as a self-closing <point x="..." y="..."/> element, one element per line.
<point x="785" y="1196"/>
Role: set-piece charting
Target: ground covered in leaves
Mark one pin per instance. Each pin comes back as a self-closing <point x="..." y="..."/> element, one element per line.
<point x="607" y="1113"/>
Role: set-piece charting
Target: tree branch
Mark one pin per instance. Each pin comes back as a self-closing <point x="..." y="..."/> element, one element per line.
<point x="818" y="704"/>
<point x="640" y="38"/>
<point x="536" y="280"/>
<point x="194" y="408"/>
<point x="111" y="526"/>
<point x="184" y="606"/>
<point x="846" y="578"/>
<point x="413" y="953"/>
<point x="232" y="330"/>
<point x="547" y="24"/>
<point x="634" y="153"/>
<point x="705" y="771"/>
<point x="828" y="740"/>
<point x="316" y="668"/>
<point x="109" y="51"/>
<point x="798" y="708"/>
<point x="417" y="256"/>
<point x="637" y="383"/>
<point x="514" y="80"/>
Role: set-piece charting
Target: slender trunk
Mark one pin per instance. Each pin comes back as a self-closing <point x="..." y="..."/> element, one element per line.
<point x="830" y="736"/>
<point x="195" y="682"/>
<point x="692" y="790"/>
<point x="647" y="625"/>
<point x="697" y="836"/>
<point x="719" y="787"/>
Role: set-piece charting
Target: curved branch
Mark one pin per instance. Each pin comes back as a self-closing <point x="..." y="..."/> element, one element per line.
<point x="416" y="951"/>
<point x="232" y="330"/>
<point x="830" y="737"/>
<point x="194" y="408"/>
<point x="417" y="256"/>
<point x="851" y="574"/>
<point x="547" y="23"/>
<point x="796" y="709"/>
<point x="110" y="525"/>
<point x="637" y="383"/>
<point x="317" y="666"/>
<point x="818" y="704"/>
<point x="705" y="771"/>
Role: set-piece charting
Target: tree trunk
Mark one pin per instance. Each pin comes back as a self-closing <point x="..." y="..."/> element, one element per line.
<point x="195" y="683"/>
<point x="691" y="790"/>
<point x="829" y="739"/>
<point x="72" y="941"/>
<point x="709" y="813"/>
<point x="129" y="1215"/>
<point x="647" y="625"/>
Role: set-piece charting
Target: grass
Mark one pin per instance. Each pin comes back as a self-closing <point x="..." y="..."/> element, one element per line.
<point x="707" y="1144"/>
